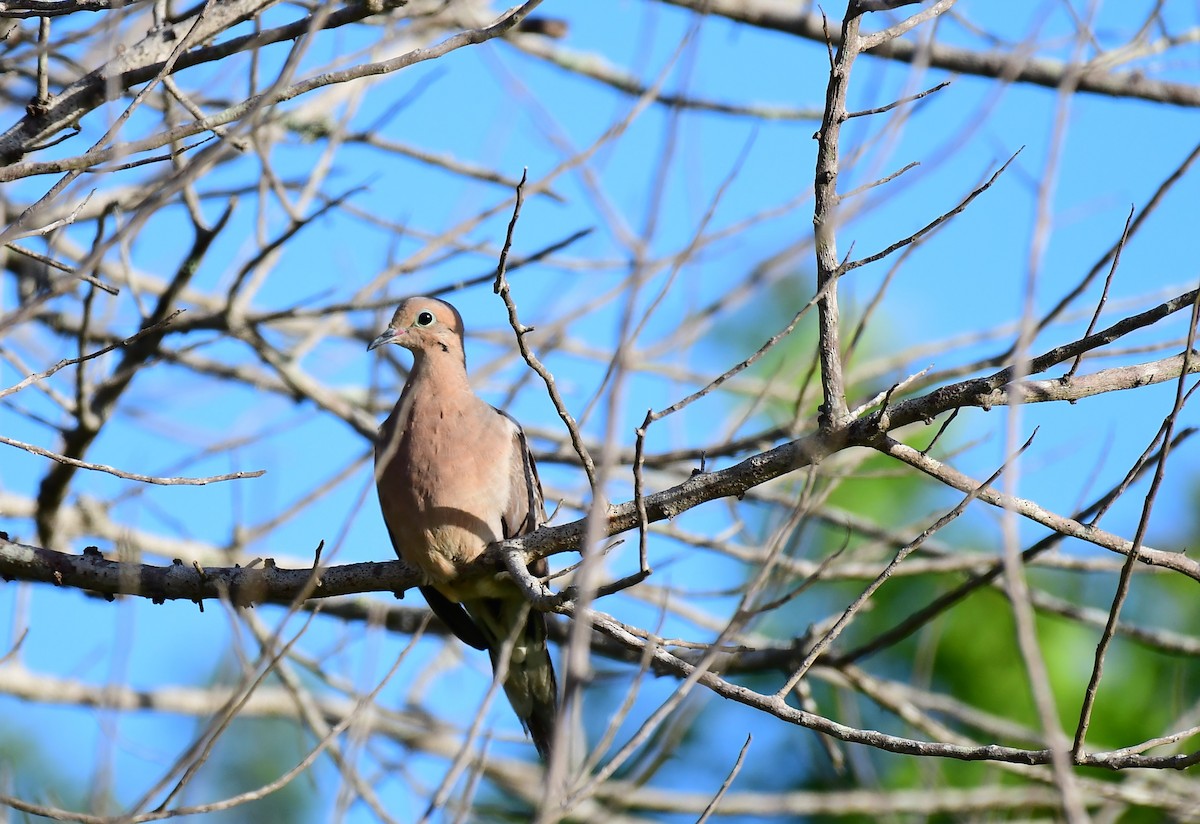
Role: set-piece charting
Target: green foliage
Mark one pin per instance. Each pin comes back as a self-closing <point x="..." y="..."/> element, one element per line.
<point x="969" y="653"/>
<point x="254" y="752"/>
<point x="27" y="771"/>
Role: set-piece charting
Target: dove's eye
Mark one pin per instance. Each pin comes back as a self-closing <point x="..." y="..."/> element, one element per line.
<point x="425" y="319"/>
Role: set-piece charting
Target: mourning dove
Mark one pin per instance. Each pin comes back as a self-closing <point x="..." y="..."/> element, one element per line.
<point x="454" y="474"/>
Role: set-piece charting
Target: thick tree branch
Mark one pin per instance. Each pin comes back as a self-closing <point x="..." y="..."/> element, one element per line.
<point x="1009" y="65"/>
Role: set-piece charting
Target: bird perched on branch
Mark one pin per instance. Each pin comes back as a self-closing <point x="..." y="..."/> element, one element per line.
<point x="454" y="474"/>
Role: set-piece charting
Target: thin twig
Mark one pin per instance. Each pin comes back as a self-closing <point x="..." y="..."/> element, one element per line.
<point x="901" y="101"/>
<point x="857" y="604"/>
<point x="130" y="476"/>
<point x="62" y="267"/>
<point x="727" y="783"/>
<point x="39" y="376"/>
<point x="501" y="288"/>
<point x="1126" y="577"/>
<point x="1112" y="270"/>
<point x="851" y="265"/>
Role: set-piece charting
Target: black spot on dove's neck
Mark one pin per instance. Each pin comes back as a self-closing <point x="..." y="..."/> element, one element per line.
<point x="441" y="367"/>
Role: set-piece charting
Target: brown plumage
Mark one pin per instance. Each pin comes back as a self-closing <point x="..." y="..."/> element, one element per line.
<point x="454" y="475"/>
